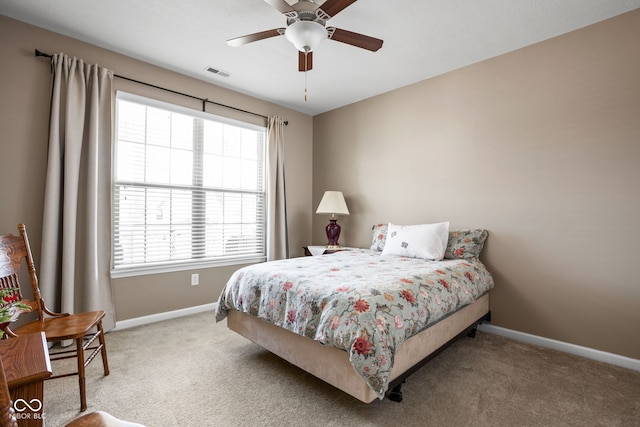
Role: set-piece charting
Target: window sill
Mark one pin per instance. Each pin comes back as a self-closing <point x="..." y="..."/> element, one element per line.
<point x="191" y="265"/>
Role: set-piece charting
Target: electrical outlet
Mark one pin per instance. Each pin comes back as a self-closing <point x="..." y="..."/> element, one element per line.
<point x="195" y="279"/>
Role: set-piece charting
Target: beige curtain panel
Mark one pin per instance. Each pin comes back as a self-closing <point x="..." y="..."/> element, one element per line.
<point x="277" y="232"/>
<point x="76" y="235"/>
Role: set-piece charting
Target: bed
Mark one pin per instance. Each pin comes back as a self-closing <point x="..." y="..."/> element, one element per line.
<point x="361" y="319"/>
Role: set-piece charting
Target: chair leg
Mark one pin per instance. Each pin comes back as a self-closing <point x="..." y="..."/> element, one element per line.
<point x="105" y="362"/>
<point x="81" y="375"/>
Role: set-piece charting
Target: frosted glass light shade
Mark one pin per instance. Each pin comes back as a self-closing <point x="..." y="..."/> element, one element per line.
<point x="306" y="35"/>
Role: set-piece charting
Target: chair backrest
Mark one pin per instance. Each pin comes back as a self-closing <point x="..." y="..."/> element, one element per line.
<point x="13" y="250"/>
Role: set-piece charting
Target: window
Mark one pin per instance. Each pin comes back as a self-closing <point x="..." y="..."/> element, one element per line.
<point x="188" y="188"/>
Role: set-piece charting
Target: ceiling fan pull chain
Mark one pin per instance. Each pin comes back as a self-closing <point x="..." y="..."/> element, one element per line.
<point x="305" y="76"/>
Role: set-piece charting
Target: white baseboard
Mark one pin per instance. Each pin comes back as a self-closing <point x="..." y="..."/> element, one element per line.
<point x="144" y="320"/>
<point x="589" y="353"/>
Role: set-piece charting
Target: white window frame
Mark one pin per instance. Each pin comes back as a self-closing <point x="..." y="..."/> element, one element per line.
<point x="193" y="263"/>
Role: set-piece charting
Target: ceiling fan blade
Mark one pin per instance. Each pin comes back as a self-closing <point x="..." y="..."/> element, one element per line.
<point x="333" y="7"/>
<point x="249" y="38"/>
<point x="281" y="5"/>
<point x="355" y="39"/>
<point x="305" y="61"/>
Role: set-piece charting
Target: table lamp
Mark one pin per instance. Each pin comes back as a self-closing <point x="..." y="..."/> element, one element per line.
<point x="333" y="203"/>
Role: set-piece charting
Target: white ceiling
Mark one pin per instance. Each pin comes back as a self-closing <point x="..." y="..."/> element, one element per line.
<point x="422" y="39"/>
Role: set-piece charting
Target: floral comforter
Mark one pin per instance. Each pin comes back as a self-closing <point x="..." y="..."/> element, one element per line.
<point x="357" y="300"/>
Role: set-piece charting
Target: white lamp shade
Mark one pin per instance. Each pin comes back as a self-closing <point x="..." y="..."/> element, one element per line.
<point x="333" y="203"/>
<point x="306" y="35"/>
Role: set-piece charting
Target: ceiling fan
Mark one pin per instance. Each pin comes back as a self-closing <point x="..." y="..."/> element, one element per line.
<point x="307" y="28"/>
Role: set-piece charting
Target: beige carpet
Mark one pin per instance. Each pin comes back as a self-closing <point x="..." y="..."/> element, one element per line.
<point x="194" y="372"/>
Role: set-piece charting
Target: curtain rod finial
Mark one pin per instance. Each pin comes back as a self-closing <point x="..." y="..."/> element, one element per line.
<point x="39" y="53"/>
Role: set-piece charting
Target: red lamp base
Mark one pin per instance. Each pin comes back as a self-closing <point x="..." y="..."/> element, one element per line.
<point x="333" y="233"/>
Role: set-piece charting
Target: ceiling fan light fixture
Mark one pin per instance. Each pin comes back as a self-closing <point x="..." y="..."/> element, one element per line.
<point x="306" y="35"/>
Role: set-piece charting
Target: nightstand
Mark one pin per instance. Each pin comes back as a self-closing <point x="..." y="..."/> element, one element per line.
<point x="321" y="250"/>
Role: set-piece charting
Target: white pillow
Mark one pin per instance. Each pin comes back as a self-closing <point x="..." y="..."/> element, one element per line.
<point x="427" y="241"/>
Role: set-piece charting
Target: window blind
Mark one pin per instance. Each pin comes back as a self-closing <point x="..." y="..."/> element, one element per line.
<point x="188" y="187"/>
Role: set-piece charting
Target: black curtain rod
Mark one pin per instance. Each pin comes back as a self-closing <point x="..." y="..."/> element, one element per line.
<point x="203" y="100"/>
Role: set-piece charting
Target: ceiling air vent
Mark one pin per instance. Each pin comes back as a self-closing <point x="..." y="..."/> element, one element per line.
<point x="220" y="73"/>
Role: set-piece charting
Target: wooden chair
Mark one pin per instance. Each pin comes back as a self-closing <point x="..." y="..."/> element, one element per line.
<point x="83" y="328"/>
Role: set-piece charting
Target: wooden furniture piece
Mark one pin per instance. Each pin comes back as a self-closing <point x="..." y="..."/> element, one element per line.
<point x="100" y="419"/>
<point x="82" y="328"/>
<point x="24" y="365"/>
<point x="25" y="360"/>
<point x="7" y="418"/>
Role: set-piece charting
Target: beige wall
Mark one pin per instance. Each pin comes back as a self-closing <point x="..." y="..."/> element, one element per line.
<point x="24" y="112"/>
<point x="541" y="147"/>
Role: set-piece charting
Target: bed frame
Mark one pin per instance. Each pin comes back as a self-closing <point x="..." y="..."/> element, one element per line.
<point x="332" y="365"/>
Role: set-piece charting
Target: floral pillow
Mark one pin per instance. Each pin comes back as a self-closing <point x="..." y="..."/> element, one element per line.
<point x="378" y="237"/>
<point x="466" y="244"/>
<point x="426" y="241"/>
